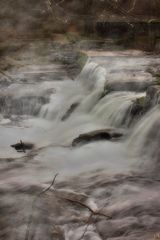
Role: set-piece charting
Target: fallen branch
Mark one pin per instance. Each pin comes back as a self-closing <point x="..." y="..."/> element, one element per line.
<point x="92" y="211"/>
<point x="85" y="206"/>
<point x="88" y="223"/>
<point x="30" y="220"/>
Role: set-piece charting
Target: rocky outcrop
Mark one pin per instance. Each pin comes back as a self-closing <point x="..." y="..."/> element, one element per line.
<point x="97" y="135"/>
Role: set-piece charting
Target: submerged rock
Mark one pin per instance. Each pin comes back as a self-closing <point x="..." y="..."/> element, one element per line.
<point x="97" y="135"/>
<point x="70" y="111"/>
<point x="23" y="146"/>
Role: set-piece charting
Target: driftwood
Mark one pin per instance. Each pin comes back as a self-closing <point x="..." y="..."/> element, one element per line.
<point x="23" y="146"/>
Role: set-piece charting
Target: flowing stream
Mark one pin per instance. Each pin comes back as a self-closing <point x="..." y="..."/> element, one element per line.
<point x="121" y="176"/>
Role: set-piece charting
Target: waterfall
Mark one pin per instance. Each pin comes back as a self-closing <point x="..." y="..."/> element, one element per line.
<point x="26" y="105"/>
<point x="113" y="109"/>
<point x="57" y="113"/>
<point x="145" y="132"/>
<point x="22" y="99"/>
<point x="75" y="107"/>
<point x="92" y="76"/>
<point x="66" y="93"/>
<point x="53" y="101"/>
<point x="145" y="138"/>
<point x="87" y="90"/>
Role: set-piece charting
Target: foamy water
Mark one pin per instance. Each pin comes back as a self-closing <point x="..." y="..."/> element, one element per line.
<point x="107" y="175"/>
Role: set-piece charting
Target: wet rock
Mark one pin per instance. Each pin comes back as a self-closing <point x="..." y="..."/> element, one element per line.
<point x="138" y="107"/>
<point x="97" y="135"/>
<point x="69" y="111"/>
<point x="143" y="104"/>
<point x="153" y="95"/>
<point x="129" y="86"/>
<point x="23" y="146"/>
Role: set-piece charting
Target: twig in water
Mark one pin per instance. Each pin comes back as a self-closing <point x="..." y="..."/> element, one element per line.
<point x="86" y="206"/>
<point x="96" y="213"/>
<point x="30" y="220"/>
<point x="86" y="228"/>
<point x="88" y="223"/>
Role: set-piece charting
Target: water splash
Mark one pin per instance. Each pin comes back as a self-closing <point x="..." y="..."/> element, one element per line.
<point x="144" y="141"/>
<point x="93" y="76"/>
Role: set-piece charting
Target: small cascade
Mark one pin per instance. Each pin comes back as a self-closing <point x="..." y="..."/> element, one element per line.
<point x="143" y="131"/>
<point x="90" y="101"/>
<point x="22" y="99"/>
<point x="66" y="94"/>
<point x="144" y="141"/>
<point x="27" y="105"/>
<point x="93" y="76"/>
<point x="86" y="90"/>
<point x="114" y="108"/>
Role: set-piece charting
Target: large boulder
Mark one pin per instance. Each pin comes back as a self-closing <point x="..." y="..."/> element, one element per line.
<point x="97" y="135"/>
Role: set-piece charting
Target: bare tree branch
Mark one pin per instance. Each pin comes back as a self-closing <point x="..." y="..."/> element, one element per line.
<point x="85" y="206"/>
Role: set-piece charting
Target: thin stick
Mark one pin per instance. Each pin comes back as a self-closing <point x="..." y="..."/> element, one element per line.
<point x="86" y="228"/>
<point x="86" y="206"/>
<point x="30" y="220"/>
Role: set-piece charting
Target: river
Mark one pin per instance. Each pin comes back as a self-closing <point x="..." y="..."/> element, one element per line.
<point x="120" y="177"/>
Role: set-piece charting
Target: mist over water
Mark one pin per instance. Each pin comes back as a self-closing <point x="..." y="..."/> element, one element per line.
<point x="119" y="176"/>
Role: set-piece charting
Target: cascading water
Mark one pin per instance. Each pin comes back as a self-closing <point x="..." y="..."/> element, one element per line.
<point x="92" y="76"/>
<point x="113" y="109"/>
<point x="145" y="141"/>
<point x="86" y="89"/>
<point x="58" y="112"/>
